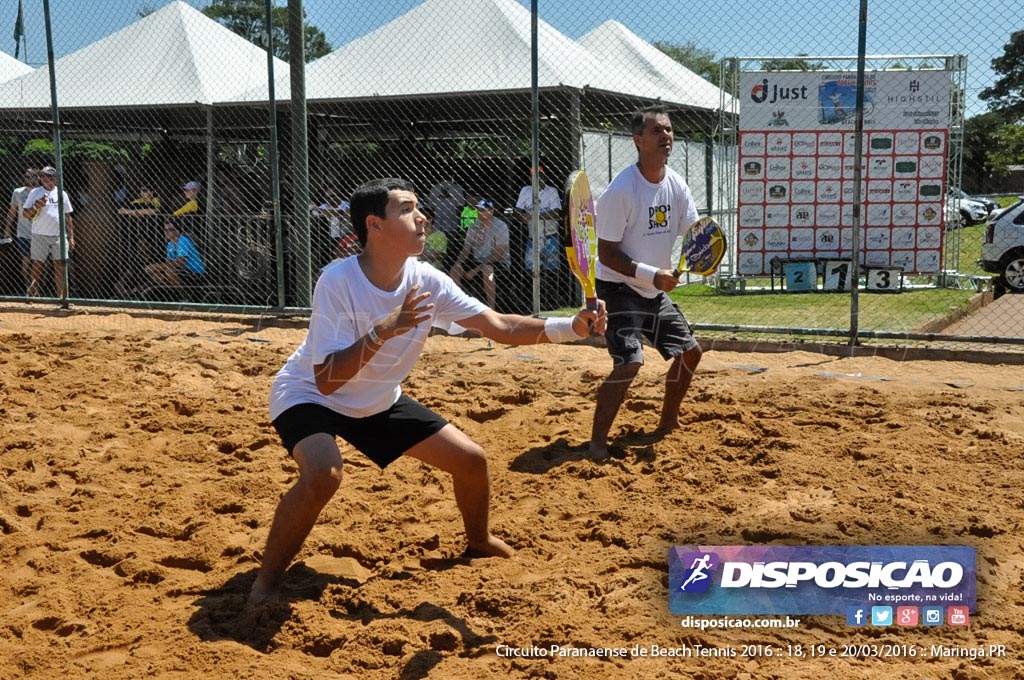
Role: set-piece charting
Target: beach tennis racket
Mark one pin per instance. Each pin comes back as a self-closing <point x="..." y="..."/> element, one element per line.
<point x="703" y="248"/>
<point x="580" y="236"/>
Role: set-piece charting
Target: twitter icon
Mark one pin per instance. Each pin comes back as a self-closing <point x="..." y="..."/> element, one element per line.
<point x="881" y="616"/>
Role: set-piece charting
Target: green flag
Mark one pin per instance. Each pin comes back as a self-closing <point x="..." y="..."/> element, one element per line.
<point x="19" y="31"/>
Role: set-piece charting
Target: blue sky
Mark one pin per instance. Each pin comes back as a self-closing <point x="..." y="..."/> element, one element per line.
<point x="979" y="28"/>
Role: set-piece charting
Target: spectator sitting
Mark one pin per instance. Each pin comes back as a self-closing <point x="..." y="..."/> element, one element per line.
<point x="446" y="200"/>
<point x="469" y="212"/>
<point x="146" y="205"/>
<point x="435" y="247"/>
<point x="140" y="234"/>
<point x="484" y="252"/>
<point x="183" y="266"/>
<point x="192" y="205"/>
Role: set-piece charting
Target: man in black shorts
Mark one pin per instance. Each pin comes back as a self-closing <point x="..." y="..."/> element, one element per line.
<point x="639" y="216"/>
<point x="370" y="320"/>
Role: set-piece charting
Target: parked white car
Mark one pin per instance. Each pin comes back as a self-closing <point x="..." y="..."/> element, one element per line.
<point x="971" y="212"/>
<point x="989" y="204"/>
<point x="1002" y="250"/>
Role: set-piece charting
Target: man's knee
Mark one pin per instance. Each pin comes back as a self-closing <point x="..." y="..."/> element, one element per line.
<point x="321" y="482"/>
<point x="692" y="356"/>
<point x="624" y="372"/>
<point x="472" y="461"/>
<point x="319" y="466"/>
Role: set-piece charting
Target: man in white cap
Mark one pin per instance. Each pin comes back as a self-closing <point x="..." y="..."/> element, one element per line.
<point x="191" y="206"/>
<point x="41" y="208"/>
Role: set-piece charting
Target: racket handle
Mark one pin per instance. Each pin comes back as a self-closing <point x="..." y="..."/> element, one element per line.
<point x="592" y="304"/>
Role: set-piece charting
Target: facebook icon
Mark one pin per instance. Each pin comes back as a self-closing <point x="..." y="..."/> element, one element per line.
<point x="856" y="616"/>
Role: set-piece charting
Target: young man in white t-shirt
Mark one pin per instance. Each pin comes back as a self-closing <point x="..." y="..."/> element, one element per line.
<point x="370" y="320"/>
<point x="639" y="216"/>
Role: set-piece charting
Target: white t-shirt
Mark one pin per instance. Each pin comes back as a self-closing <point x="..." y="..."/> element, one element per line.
<point x="645" y="219"/>
<point x="47" y="221"/>
<point x="446" y="199"/>
<point x="483" y="241"/>
<point x="549" y="200"/>
<point x="334" y="223"/>
<point x="345" y="306"/>
<point x="18" y="197"/>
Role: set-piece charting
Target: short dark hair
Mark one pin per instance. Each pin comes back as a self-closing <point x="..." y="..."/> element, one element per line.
<point x="372" y="199"/>
<point x="640" y="117"/>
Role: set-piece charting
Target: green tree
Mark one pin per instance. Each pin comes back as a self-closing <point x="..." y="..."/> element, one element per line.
<point x="979" y="134"/>
<point x="1007" y="148"/>
<point x="798" y="64"/>
<point x="1006" y="95"/>
<point x="72" y="148"/>
<point x="997" y="137"/>
<point x="697" y="59"/>
<point x="245" y="17"/>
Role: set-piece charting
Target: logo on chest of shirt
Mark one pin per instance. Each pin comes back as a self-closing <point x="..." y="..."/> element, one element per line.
<point x="658" y="216"/>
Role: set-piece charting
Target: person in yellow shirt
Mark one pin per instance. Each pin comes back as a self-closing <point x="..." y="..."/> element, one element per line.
<point x="192" y="205"/>
<point x="146" y="205"/>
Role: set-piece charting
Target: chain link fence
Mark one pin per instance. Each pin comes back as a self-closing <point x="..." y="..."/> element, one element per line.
<point x="187" y="188"/>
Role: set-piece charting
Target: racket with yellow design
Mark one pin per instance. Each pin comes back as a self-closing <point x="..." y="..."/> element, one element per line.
<point x="580" y="235"/>
<point x="703" y="248"/>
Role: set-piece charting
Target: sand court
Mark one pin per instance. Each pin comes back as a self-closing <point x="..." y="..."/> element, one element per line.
<point x="139" y="474"/>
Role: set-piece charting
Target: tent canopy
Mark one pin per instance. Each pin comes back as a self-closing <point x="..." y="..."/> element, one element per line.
<point x="445" y="47"/>
<point x="176" y="56"/>
<point x="11" y="68"/>
<point x="614" y="44"/>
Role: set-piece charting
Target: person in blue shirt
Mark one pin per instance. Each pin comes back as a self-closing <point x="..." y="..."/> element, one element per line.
<point x="183" y="266"/>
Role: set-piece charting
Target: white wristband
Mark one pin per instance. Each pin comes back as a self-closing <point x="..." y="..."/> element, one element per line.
<point x="645" y="273"/>
<point x="560" y="330"/>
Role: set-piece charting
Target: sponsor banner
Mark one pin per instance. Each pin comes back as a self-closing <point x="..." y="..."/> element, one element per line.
<point x="826" y="100"/>
<point x="707" y="580"/>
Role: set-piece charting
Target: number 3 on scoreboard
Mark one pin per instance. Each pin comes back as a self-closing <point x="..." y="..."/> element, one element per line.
<point x="885" y="280"/>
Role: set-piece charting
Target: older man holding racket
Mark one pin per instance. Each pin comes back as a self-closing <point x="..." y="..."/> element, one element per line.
<point x="639" y="216"/>
<point x="370" y="320"/>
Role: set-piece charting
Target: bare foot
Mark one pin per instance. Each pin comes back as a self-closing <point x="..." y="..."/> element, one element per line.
<point x="492" y="547"/>
<point x="259" y="596"/>
<point x="664" y="428"/>
<point x="598" y="451"/>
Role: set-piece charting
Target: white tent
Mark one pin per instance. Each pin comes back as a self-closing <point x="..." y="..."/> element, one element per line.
<point x="176" y="56"/>
<point x="615" y="45"/>
<point x="451" y="46"/>
<point x="11" y="68"/>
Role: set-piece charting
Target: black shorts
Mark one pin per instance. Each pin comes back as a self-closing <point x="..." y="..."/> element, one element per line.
<point x="382" y="437"/>
<point x="632" y="317"/>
